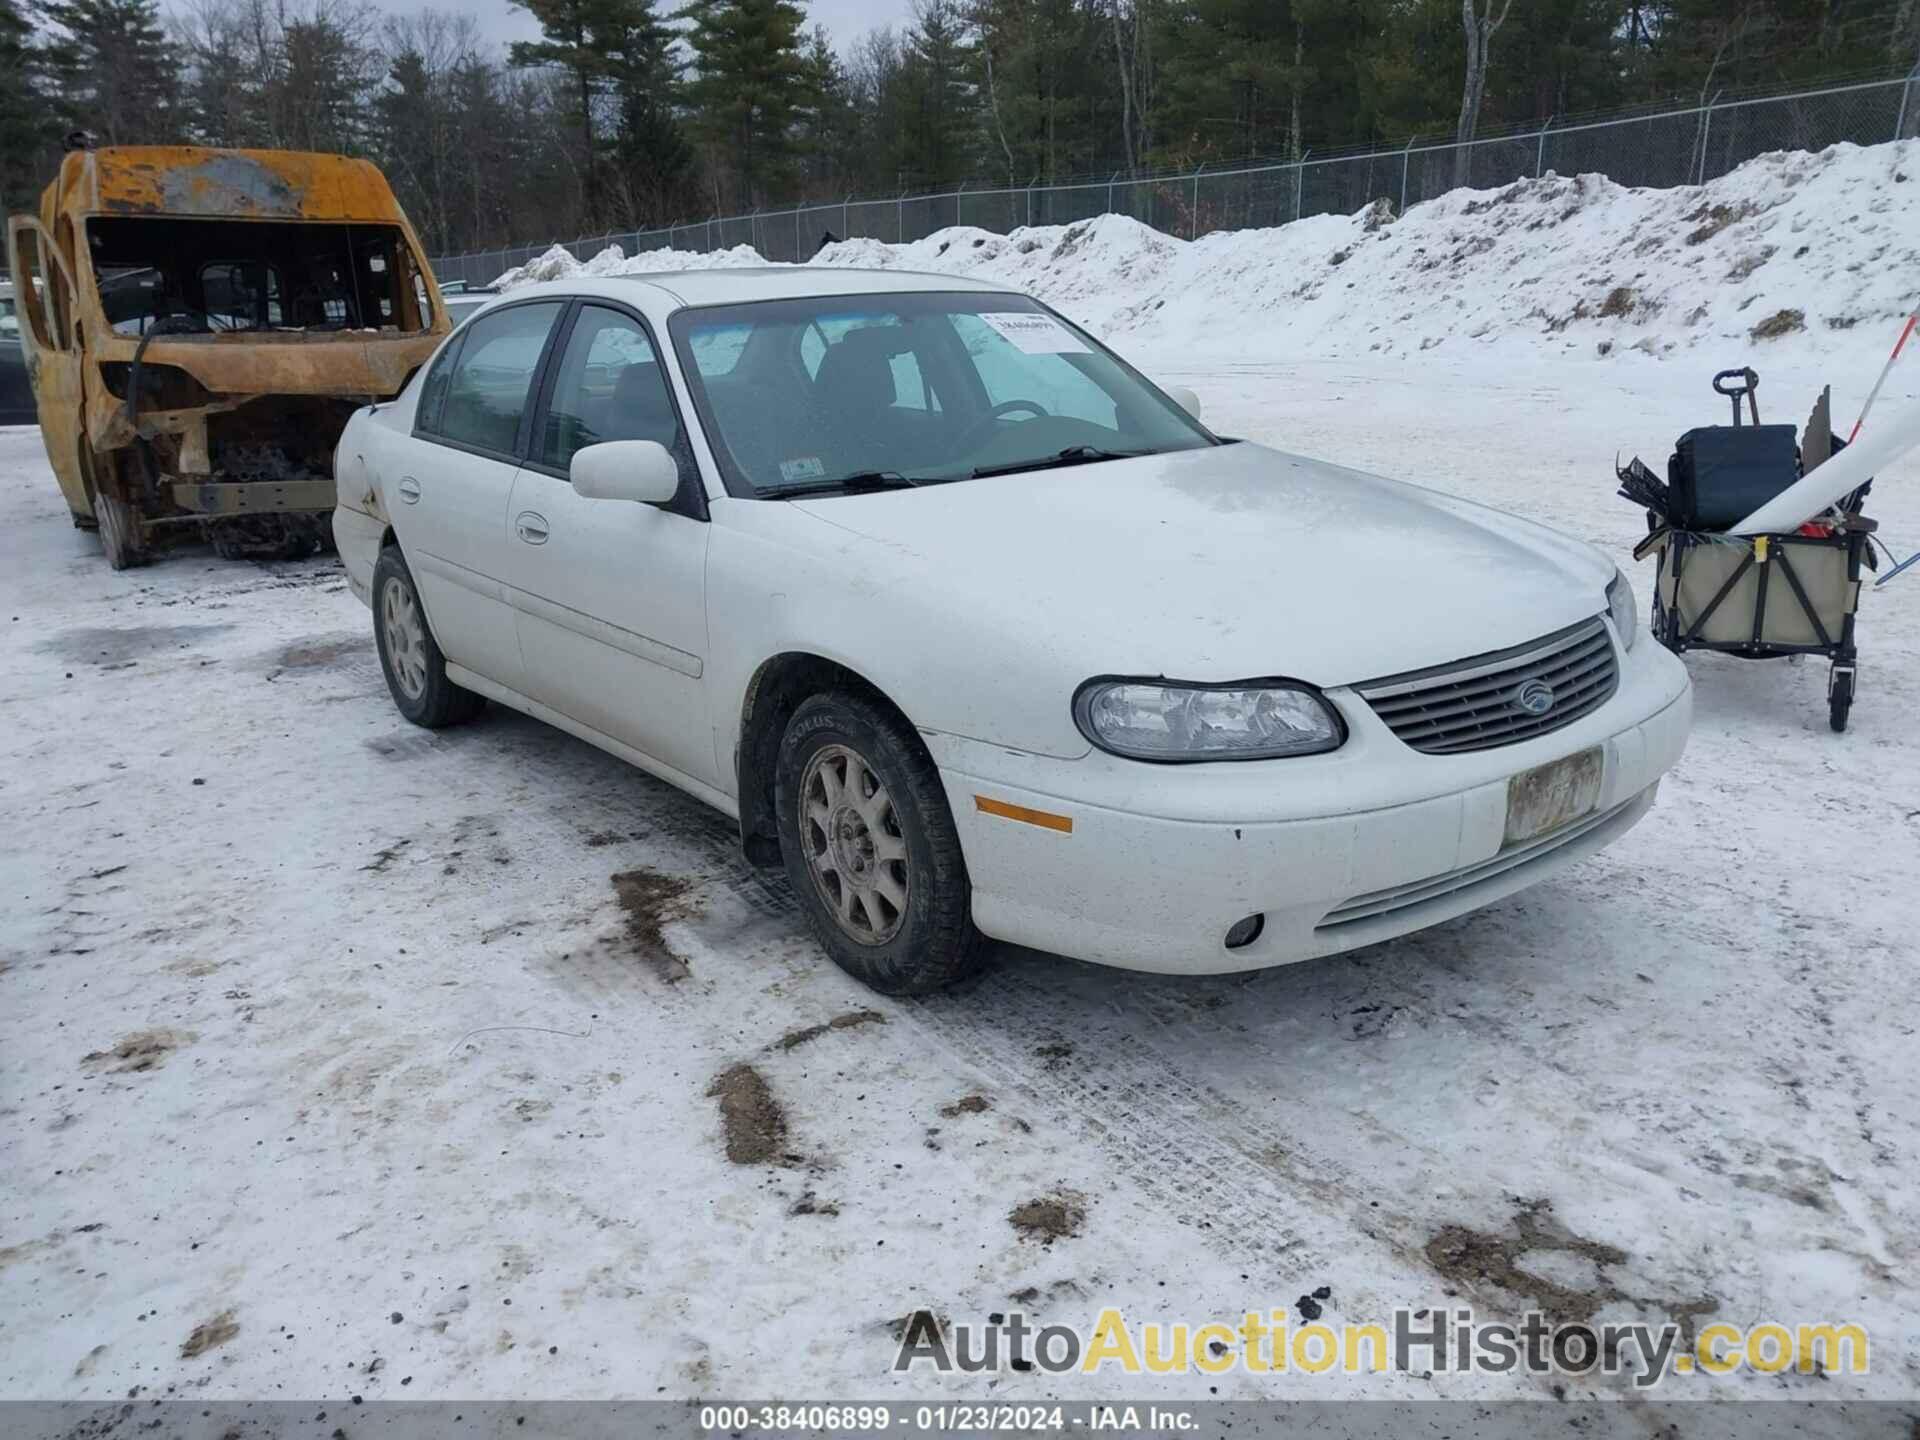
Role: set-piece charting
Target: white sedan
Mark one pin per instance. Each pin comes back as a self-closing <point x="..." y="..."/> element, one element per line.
<point x="980" y="634"/>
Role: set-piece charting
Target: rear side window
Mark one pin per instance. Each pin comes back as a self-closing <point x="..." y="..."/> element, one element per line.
<point x="488" y="385"/>
<point x="433" y="390"/>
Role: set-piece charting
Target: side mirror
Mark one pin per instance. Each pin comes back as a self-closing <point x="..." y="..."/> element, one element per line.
<point x="639" y="470"/>
<point x="1184" y="398"/>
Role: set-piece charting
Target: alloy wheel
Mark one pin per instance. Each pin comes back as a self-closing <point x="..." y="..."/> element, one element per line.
<point x="406" y="635"/>
<point x="855" y="849"/>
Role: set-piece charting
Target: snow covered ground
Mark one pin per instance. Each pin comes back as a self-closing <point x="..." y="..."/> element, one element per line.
<point x="341" y="1058"/>
<point x="311" y="1020"/>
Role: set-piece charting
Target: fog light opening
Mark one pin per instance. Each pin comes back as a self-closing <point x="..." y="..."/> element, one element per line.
<point x="1246" y="931"/>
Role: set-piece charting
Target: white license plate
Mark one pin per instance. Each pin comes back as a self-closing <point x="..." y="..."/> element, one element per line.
<point x="1545" y="798"/>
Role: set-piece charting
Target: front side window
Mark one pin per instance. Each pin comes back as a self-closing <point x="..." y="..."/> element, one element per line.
<point x="609" y="387"/>
<point x="41" y="291"/>
<point x="911" y="388"/>
<point x="491" y="378"/>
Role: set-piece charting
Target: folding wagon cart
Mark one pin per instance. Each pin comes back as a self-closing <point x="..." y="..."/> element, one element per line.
<point x="1755" y="596"/>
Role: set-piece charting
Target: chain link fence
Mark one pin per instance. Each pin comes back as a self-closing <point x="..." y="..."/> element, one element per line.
<point x="1675" y="147"/>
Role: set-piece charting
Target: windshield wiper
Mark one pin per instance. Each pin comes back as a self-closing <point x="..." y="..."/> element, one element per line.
<point x="862" y="483"/>
<point x="1072" y="455"/>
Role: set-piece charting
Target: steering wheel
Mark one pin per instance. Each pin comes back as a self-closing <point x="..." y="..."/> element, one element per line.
<point x="1005" y="407"/>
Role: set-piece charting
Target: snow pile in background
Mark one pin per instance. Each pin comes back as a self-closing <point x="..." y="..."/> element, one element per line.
<point x="1789" y="245"/>
<point x="559" y="263"/>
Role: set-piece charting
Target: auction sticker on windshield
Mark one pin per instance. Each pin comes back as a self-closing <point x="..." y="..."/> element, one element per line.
<point x="1035" y="334"/>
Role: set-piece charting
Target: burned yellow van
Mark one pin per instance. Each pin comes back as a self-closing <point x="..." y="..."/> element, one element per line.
<point x="199" y="324"/>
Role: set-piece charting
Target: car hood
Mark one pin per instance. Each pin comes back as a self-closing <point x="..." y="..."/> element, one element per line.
<point x="1227" y="563"/>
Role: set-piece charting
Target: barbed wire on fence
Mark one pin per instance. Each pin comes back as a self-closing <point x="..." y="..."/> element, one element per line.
<point x="1660" y="150"/>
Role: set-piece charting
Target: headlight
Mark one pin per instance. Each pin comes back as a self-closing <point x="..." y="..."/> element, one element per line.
<point x="1152" y="720"/>
<point x="1620" y="605"/>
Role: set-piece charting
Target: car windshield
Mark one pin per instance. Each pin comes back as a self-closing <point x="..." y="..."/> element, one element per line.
<point x="855" y="392"/>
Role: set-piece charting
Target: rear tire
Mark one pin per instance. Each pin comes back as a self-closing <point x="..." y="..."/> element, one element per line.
<point x="871" y="850"/>
<point x="410" y="658"/>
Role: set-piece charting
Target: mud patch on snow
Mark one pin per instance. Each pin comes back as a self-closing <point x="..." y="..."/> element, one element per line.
<point x="1051" y="1217"/>
<point x="1715" y="218"/>
<point x="141" y="1051"/>
<point x="1475" y="1259"/>
<point x="753" y="1121"/>
<point x="650" y="901"/>
<point x="793" y="1039"/>
<point x="1781" y="322"/>
<point x="118" y="645"/>
<point x="1619" y="302"/>
<point x="318" y="652"/>
<point x="919" y="1327"/>
<point x="209" y="1333"/>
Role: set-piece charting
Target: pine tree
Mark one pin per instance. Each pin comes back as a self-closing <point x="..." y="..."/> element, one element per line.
<point x="652" y="157"/>
<point x="23" y="133"/>
<point x="112" y="71"/>
<point x="938" y="144"/>
<point x="751" y="80"/>
<point x="576" y="41"/>
<point x="827" y="126"/>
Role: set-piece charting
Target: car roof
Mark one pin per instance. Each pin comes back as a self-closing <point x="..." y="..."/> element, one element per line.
<point x="736" y="285"/>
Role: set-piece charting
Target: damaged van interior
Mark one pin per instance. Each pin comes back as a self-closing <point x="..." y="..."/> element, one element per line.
<point x="209" y="321"/>
<point x="227" y="276"/>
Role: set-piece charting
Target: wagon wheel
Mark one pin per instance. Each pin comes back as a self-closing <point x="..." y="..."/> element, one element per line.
<point x="1839" y="697"/>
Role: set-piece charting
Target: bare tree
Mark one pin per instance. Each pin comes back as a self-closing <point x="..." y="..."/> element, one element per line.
<point x="993" y="109"/>
<point x="1480" y="29"/>
<point x="1124" y="62"/>
<point x="1133" y="59"/>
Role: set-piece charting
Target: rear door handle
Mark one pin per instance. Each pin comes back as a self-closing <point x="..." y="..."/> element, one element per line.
<point x="409" y="489"/>
<point x="531" y="527"/>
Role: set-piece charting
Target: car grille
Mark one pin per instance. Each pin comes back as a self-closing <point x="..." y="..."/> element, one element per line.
<point x="1470" y="704"/>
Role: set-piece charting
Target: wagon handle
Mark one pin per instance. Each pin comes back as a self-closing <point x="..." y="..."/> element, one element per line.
<point x="1749" y="383"/>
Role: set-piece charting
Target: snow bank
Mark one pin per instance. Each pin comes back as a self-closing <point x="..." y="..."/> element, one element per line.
<point x="1790" y="246"/>
<point x="559" y="263"/>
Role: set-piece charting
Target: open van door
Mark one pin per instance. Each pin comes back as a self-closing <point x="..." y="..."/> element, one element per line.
<point x="44" y="295"/>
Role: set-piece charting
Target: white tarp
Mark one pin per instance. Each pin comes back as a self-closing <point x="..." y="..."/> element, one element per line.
<point x="1881" y="443"/>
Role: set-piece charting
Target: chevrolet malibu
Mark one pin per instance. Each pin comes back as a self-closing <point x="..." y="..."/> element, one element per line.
<point x="979" y="634"/>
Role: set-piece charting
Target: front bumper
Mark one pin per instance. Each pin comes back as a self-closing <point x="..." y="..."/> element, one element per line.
<point x="1337" y="851"/>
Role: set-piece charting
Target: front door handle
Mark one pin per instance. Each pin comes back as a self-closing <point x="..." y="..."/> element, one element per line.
<point x="531" y="527"/>
<point x="409" y="489"/>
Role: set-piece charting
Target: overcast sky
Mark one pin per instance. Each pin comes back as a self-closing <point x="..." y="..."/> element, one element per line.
<point x="501" y="23"/>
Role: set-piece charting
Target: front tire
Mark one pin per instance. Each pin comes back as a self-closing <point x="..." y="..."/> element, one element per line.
<point x="871" y="850"/>
<point x="416" y="671"/>
<point x="119" y="530"/>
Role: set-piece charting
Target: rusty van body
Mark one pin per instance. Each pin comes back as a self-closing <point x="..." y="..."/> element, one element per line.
<point x="199" y="324"/>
